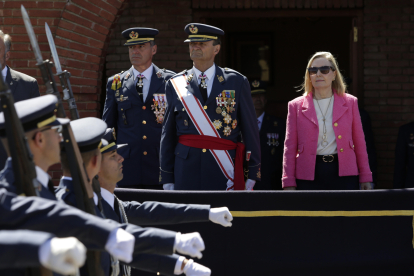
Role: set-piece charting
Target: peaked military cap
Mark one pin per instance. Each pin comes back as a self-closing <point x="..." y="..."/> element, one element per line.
<point x="35" y="113"/>
<point x="201" y="32"/>
<point x="258" y="87"/>
<point x="137" y="35"/>
<point x="109" y="141"/>
<point x="88" y="133"/>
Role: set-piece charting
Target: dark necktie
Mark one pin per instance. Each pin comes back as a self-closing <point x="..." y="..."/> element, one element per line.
<point x="139" y="86"/>
<point x="203" y="86"/>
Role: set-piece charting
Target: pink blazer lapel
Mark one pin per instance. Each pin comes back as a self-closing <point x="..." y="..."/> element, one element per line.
<point x="339" y="107"/>
<point x="308" y="109"/>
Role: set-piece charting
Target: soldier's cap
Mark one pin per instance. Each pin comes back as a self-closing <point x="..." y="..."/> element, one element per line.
<point x="35" y="113"/>
<point x="88" y="133"/>
<point x="198" y="32"/>
<point x="138" y="35"/>
<point x="109" y="141"/>
<point x="258" y="87"/>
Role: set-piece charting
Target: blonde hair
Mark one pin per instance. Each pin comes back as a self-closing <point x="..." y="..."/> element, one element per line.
<point x="338" y="84"/>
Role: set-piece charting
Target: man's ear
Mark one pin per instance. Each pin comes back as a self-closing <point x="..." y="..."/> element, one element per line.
<point x="154" y="49"/>
<point x="217" y="49"/>
<point x="7" y="56"/>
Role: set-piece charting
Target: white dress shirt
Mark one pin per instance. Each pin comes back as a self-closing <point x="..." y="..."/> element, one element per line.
<point x="95" y="196"/>
<point x="4" y="73"/>
<point x="210" y="77"/>
<point x="327" y="108"/>
<point x="147" y="80"/>
<point x="42" y="177"/>
<point x="260" y="120"/>
<point x="108" y="197"/>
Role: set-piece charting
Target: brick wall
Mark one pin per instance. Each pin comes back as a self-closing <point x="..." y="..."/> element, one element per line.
<point x="388" y="75"/>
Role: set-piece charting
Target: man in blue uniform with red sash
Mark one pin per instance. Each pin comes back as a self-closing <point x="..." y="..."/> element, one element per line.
<point x="208" y="107"/>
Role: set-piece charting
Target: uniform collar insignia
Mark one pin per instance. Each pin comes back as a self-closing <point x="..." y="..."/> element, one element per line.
<point x="159" y="74"/>
<point x="220" y="78"/>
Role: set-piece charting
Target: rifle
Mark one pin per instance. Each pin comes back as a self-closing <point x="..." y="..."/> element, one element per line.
<point x="82" y="189"/>
<point x="63" y="76"/>
<point x="22" y="159"/>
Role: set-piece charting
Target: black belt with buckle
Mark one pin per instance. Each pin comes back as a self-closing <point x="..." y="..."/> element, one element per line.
<point x="327" y="158"/>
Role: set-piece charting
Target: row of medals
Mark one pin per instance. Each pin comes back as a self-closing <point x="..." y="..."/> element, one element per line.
<point x="225" y="106"/>
<point x="159" y="107"/>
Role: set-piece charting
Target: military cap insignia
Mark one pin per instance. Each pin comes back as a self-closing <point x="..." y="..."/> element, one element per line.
<point x="220" y="78"/>
<point x="255" y="84"/>
<point x="159" y="74"/>
<point x="133" y="35"/>
<point x="193" y="29"/>
<point x="217" y="124"/>
<point x="116" y="83"/>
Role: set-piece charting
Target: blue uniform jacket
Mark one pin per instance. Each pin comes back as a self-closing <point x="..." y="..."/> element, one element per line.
<point x="147" y="262"/>
<point x="404" y="157"/>
<point x="20" y="248"/>
<point x="272" y="153"/>
<point x="136" y="125"/>
<point x="7" y="174"/>
<point x="191" y="168"/>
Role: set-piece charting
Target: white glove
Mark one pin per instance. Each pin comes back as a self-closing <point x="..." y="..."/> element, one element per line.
<point x="63" y="256"/>
<point x="168" y="186"/>
<point x="189" y="244"/>
<point x="194" y="269"/>
<point x="120" y="245"/>
<point x="366" y="186"/>
<point x="249" y="184"/>
<point x="221" y="216"/>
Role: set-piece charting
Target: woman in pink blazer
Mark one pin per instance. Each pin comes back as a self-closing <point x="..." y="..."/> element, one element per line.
<point x="325" y="146"/>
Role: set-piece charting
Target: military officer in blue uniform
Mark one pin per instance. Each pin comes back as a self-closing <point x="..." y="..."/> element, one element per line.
<point x="23" y="248"/>
<point x="224" y="95"/>
<point x="151" y="213"/>
<point x="42" y="130"/>
<point x="404" y="157"/>
<point x="272" y="137"/>
<point x="88" y="133"/>
<point x="135" y="107"/>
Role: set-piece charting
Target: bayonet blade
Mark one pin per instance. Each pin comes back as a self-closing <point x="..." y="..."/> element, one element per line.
<point x="32" y="35"/>
<point x="53" y="49"/>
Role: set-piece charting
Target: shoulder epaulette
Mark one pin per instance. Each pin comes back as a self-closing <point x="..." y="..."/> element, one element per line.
<point x="229" y="70"/>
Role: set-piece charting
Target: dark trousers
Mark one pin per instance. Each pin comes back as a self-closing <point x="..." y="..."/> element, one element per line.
<point x="327" y="178"/>
<point x="148" y="187"/>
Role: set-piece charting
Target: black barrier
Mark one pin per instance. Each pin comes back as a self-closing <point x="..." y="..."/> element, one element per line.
<point x="301" y="233"/>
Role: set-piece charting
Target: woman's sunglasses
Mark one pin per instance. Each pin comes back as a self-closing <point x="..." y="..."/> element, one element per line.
<point x="324" y="70"/>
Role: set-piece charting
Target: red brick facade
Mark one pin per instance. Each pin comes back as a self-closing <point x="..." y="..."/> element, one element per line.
<point x="87" y="34"/>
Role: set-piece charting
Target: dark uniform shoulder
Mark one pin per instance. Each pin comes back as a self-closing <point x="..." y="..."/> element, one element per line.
<point x="179" y="73"/>
<point x="230" y="71"/>
<point x="407" y="127"/>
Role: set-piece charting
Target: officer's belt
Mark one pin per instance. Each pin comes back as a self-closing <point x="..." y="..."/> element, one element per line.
<point x="214" y="143"/>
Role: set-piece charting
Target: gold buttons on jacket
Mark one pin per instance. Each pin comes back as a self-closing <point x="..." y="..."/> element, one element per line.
<point x="144" y="122"/>
<point x="144" y="107"/>
<point x="205" y="107"/>
<point x="122" y="109"/>
<point x="144" y="137"/>
<point x="339" y="137"/>
<point x="204" y="150"/>
<point x="353" y="146"/>
<point x="336" y="124"/>
<point x="342" y="150"/>
<point x="145" y="153"/>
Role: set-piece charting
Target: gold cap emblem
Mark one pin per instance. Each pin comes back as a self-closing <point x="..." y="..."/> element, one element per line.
<point x="255" y="84"/>
<point x="133" y="35"/>
<point x="193" y="29"/>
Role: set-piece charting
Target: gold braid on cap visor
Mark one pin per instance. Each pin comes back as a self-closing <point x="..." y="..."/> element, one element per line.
<point x="107" y="147"/>
<point x="202" y="36"/>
